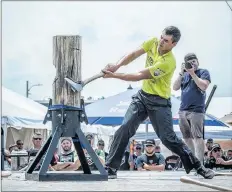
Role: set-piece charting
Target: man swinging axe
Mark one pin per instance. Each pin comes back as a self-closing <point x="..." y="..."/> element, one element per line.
<point x="152" y="101"/>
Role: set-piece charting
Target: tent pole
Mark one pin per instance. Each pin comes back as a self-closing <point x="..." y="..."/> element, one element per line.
<point x="146" y="127"/>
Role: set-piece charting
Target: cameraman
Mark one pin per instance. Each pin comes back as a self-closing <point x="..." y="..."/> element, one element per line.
<point x="193" y="83"/>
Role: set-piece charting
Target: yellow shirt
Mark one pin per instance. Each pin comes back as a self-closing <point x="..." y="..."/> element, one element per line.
<point x="161" y="69"/>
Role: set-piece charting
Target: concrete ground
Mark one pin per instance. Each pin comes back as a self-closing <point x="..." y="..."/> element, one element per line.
<point x="127" y="181"/>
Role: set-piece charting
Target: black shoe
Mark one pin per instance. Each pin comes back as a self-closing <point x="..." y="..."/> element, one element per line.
<point x="112" y="173"/>
<point x="206" y="173"/>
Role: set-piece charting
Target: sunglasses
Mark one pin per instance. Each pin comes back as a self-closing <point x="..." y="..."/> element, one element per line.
<point x="100" y="144"/>
<point x="138" y="148"/>
<point x="37" y="138"/>
<point x="217" y="150"/>
<point x="149" y="145"/>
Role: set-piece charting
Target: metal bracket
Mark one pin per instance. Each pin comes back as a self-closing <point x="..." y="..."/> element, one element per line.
<point x="83" y="116"/>
<point x="48" y="116"/>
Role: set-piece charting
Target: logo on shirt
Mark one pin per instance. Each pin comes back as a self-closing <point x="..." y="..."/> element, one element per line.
<point x="158" y="72"/>
<point x="150" y="60"/>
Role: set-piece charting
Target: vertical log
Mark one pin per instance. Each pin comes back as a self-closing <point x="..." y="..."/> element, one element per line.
<point x="67" y="61"/>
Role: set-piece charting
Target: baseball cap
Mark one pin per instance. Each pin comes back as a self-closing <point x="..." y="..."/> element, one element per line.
<point x="210" y="140"/>
<point x="149" y="142"/>
<point x="37" y="135"/>
<point x="66" y="138"/>
<point x="190" y="56"/>
<point x="215" y="146"/>
<point x="138" y="145"/>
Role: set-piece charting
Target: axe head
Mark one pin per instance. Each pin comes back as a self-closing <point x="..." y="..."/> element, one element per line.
<point x="74" y="86"/>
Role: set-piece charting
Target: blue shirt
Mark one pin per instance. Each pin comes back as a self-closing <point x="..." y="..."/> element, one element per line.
<point x="192" y="97"/>
<point x="156" y="158"/>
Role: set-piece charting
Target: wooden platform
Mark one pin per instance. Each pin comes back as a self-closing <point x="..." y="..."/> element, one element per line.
<point x="127" y="181"/>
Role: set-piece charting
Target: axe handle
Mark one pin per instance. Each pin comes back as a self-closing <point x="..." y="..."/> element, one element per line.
<point x="188" y="180"/>
<point x="223" y="174"/>
<point x="86" y="81"/>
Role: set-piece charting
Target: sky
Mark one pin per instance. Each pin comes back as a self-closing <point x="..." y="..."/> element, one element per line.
<point x="110" y="30"/>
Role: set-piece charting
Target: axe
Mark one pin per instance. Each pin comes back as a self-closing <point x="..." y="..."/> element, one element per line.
<point x="78" y="86"/>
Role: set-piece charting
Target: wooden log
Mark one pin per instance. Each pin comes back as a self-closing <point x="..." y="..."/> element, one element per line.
<point x="67" y="61"/>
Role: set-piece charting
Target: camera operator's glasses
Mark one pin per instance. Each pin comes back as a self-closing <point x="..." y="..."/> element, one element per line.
<point x="217" y="150"/>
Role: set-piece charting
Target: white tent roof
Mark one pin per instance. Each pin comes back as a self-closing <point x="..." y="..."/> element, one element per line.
<point x="220" y="106"/>
<point x="21" y="112"/>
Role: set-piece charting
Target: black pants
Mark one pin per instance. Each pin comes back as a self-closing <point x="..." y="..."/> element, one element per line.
<point x="159" y="112"/>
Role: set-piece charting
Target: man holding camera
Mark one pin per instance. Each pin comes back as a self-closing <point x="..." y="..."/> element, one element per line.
<point x="193" y="83"/>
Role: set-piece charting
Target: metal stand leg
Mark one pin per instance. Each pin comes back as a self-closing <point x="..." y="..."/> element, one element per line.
<point x="39" y="155"/>
<point x="81" y="155"/>
<point x="2" y="149"/>
<point x="50" y="151"/>
<point x="91" y="152"/>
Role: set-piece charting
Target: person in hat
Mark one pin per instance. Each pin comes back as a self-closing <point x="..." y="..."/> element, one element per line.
<point x="150" y="161"/>
<point x="153" y="101"/>
<point x="209" y="145"/>
<point x="90" y="138"/>
<point x="193" y="82"/>
<point x="100" y="149"/>
<point x="217" y="159"/>
<point x="133" y="158"/>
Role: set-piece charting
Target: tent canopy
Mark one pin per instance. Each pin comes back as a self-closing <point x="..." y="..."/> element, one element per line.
<point x="21" y="112"/>
<point x="111" y="111"/>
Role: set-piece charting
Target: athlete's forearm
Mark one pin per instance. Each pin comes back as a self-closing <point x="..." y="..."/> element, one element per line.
<point x="156" y="167"/>
<point x="127" y="77"/>
<point x="125" y="60"/>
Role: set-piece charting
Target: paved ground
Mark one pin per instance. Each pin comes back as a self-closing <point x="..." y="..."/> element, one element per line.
<point x="127" y="181"/>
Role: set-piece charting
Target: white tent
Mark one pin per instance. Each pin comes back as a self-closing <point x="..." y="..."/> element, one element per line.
<point x="21" y="117"/>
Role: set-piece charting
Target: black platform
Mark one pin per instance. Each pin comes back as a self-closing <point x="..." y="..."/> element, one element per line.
<point x="65" y="176"/>
<point x="65" y="123"/>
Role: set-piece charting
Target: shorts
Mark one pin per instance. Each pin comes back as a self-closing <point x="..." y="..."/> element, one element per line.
<point x="191" y="124"/>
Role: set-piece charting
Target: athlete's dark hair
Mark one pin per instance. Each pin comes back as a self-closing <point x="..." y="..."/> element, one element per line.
<point x="174" y="31"/>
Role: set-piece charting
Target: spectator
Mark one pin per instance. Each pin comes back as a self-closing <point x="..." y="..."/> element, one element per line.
<point x="217" y="160"/>
<point x="150" y="161"/>
<point x="90" y="138"/>
<point x="193" y="83"/>
<point x="100" y="148"/>
<point x="172" y="162"/>
<point x="37" y="141"/>
<point x="67" y="160"/>
<point x="229" y="154"/>
<point x="133" y="158"/>
<point x="209" y="144"/>
<point x="67" y="154"/>
<point x="19" y="144"/>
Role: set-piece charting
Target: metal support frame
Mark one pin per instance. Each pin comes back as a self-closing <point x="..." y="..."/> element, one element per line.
<point x="2" y="149"/>
<point x="65" y="123"/>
